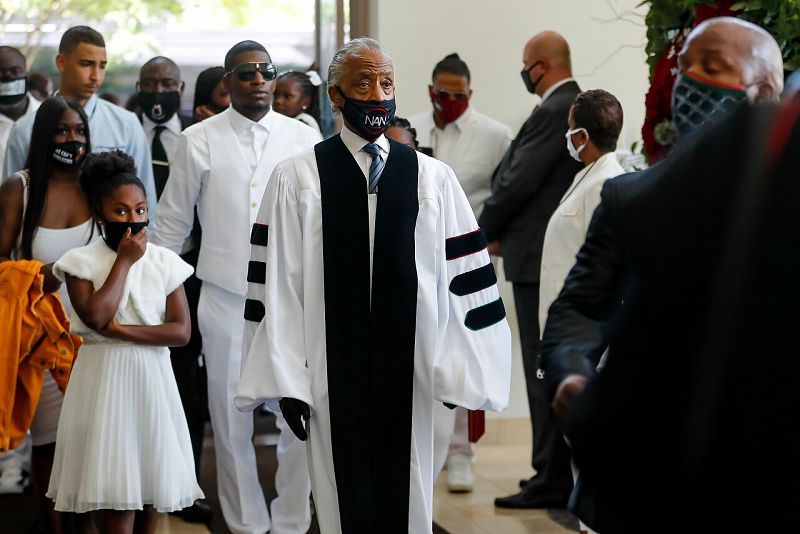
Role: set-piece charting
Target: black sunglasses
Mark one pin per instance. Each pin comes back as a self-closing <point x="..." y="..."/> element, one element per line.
<point x="245" y="72"/>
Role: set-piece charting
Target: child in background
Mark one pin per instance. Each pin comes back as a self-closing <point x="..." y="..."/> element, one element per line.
<point x="123" y="444"/>
<point x="210" y="95"/>
<point x="297" y="96"/>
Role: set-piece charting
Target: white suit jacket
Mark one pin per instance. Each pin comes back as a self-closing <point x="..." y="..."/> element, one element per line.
<point x="567" y="228"/>
<point x="211" y="171"/>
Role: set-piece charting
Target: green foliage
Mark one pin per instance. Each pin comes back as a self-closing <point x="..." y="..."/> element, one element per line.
<point x="781" y="18"/>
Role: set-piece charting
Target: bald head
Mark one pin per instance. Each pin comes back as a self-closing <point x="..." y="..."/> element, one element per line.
<point x="160" y="74"/>
<point x="735" y="52"/>
<point x="160" y="66"/>
<point x="552" y="47"/>
<point x="546" y="57"/>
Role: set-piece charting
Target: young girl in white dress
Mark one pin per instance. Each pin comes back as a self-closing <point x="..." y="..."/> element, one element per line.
<point x="123" y="444"/>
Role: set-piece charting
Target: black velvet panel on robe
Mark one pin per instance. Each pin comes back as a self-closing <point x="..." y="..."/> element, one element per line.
<point x="370" y="346"/>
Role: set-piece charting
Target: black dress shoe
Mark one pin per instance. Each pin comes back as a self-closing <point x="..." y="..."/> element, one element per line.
<point x="199" y="512"/>
<point x="525" y="499"/>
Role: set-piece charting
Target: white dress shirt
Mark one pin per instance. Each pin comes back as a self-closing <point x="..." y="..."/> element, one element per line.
<point x="553" y="88"/>
<point x="252" y="135"/>
<point x="169" y="136"/>
<point x="355" y="144"/>
<point x="6" y="124"/>
<point x="473" y="145"/>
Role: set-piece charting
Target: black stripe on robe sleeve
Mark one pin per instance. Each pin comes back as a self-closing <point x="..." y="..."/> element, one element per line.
<point x="253" y="310"/>
<point x="257" y="272"/>
<point x="485" y="316"/>
<point x="259" y="235"/>
<point x="473" y="281"/>
<point x="464" y="245"/>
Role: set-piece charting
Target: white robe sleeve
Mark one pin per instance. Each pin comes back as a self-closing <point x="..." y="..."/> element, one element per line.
<point x="472" y="367"/>
<point x="273" y="352"/>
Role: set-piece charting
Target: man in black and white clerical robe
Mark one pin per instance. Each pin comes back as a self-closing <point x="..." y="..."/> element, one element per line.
<point x="371" y="300"/>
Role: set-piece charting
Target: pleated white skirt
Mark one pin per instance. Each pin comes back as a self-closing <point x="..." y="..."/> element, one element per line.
<point x="122" y="437"/>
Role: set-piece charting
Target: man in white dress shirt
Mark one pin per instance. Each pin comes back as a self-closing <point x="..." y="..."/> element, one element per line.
<point x="81" y="62"/>
<point x="473" y="145"/>
<point x="15" y="100"/>
<point x="221" y="167"/>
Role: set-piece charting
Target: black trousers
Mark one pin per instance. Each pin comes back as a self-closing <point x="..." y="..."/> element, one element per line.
<point x="551" y="455"/>
<point x="190" y="373"/>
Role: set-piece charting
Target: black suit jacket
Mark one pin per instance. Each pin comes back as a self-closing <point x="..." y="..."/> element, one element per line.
<point x="692" y="423"/>
<point x="527" y="186"/>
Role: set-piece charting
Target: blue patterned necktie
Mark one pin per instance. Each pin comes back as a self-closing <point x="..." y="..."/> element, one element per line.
<point x="376" y="168"/>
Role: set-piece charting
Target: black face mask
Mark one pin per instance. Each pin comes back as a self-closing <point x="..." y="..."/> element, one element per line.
<point x="113" y="232"/>
<point x="368" y="117"/>
<point x="69" y="154"/>
<point x="160" y="107"/>
<point x="12" y="90"/>
<point x="530" y="85"/>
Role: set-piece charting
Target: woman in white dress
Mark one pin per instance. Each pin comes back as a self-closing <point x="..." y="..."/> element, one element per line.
<point x="45" y="213"/>
<point x="123" y="443"/>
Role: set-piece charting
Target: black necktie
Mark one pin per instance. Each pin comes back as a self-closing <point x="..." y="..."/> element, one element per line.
<point x="160" y="161"/>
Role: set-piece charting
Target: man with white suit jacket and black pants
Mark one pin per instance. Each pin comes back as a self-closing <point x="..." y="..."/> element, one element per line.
<point x="527" y="186"/>
<point x="222" y="166"/>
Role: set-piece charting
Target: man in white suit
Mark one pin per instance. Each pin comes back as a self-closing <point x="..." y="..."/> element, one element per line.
<point x="221" y="167"/>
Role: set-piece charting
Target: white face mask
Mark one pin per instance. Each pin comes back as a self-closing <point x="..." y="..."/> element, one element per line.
<point x="576" y="152"/>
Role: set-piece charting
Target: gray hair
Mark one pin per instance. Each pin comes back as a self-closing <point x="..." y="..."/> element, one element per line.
<point x="350" y="49"/>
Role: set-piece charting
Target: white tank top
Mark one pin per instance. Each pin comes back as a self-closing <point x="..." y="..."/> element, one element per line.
<point x="50" y="244"/>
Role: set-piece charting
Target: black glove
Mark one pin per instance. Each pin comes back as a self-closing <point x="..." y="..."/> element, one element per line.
<point x="295" y="412"/>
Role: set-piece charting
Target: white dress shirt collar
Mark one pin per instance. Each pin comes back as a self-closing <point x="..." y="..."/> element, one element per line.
<point x="240" y="122"/>
<point x="355" y="142"/>
<point x="173" y="124"/>
<point x="553" y="88"/>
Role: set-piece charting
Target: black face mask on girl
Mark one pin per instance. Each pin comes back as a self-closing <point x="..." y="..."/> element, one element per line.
<point x="113" y="231"/>
<point x="368" y="117"/>
<point x="69" y="154"/>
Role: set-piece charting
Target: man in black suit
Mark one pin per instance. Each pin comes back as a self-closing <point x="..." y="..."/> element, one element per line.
<point x="160" y="90"/>
<point x="526" y="188"/>
<point x="658" y="242"/>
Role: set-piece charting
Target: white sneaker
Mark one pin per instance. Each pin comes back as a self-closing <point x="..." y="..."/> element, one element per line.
<point x="460" y="478"/>
<point x="13" y="480"/>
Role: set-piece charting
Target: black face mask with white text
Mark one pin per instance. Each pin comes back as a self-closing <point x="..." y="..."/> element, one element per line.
<point x="69" y="154"/>
<point x="369" y="118"/>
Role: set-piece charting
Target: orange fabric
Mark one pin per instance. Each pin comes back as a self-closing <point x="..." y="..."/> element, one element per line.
<point x="34" y="337"/>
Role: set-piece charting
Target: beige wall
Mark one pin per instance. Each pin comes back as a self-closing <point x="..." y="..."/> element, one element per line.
<point x="607" y="53"/>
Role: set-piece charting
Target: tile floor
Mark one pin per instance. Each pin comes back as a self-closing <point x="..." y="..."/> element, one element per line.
<point x="501" y="459"/>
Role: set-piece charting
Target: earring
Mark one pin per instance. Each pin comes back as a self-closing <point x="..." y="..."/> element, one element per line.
<point x="304" y="108"/>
